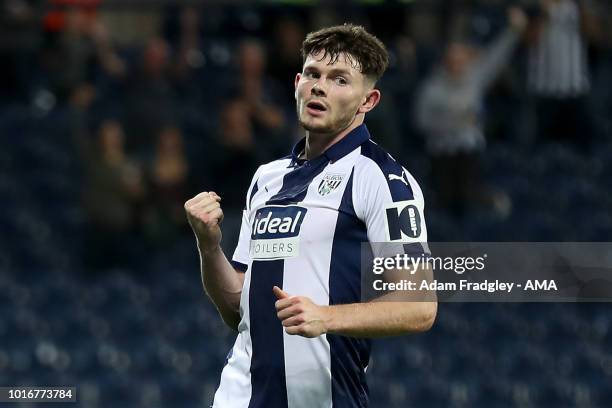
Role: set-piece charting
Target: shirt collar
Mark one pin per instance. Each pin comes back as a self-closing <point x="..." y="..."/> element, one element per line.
<point x="338" y="150"/>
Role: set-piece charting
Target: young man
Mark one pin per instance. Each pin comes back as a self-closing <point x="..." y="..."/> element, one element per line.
<point x="293" y="287"/>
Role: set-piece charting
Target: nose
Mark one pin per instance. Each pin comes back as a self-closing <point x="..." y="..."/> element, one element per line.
<point x="317" y="90"/>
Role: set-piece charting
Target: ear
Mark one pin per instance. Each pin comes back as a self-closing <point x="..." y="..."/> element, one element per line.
<point x="371" y="100"/>
<point x="297" y="79"/>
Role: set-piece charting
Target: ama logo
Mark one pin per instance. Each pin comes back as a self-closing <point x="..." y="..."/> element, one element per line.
<point x="403" y="221"/>
<point x="275" y="233"/>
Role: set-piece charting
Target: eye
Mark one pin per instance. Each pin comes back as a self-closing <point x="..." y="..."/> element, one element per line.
<point x="311" y="75"/>
<point x="341" y="81"/>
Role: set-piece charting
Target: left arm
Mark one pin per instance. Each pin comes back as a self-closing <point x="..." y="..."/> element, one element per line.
<point x="380" y="318"/>
<point x="392" y="314"/>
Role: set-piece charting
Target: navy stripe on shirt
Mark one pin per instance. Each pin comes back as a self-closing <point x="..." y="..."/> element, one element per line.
<point x="269" y="386"/>
<point x="349" y="356"/>
<point x="400" y="191"/>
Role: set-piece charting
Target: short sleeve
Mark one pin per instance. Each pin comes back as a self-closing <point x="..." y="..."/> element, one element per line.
<point x="390" y="203"/>
<point x="240" y="259"/>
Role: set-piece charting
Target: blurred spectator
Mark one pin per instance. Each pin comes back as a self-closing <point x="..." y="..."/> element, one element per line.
<point x="168" y="188"/>
<point x="70" y="55"/>
<point x="114" y="190"/>
<point x="233" y="154"/>
<point x="232" y="160"/>
<point x="558" y="71"/>
<point x="287" y="62"/>
<point x="263" y="99"/>
<point x="80" y="51"/>
<point x="107" y="57"/>
<point x="189" y="56"/>
<point x="449" y="113"/>
<point x="151" y="97"/>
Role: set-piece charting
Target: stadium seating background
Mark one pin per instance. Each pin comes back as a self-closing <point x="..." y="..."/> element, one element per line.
<point x="145" y="334"/>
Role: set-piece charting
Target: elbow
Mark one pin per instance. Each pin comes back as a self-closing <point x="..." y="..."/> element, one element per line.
<point x="231" y="320"/>
<point x="231" y="315"/>
<point x="427" y="317"/>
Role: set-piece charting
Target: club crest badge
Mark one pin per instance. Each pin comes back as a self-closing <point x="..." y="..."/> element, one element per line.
<point x="330" y="183"/>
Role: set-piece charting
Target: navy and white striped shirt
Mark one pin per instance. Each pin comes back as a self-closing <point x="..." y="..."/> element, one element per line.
<point x="302" y="230"/>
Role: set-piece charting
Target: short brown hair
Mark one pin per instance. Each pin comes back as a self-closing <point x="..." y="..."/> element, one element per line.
<point x="368" y="51"/>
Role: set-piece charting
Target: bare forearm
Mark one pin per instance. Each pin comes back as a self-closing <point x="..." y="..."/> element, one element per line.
<point x="380" y="319"/>
<point x="222" y="283"/>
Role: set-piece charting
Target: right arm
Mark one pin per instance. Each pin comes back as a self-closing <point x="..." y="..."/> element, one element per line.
<point x="222" y="282"/>
<point x="490" y="64"/>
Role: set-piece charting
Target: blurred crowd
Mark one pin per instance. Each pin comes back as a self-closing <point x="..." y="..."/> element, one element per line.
<point x="166" y="100"/>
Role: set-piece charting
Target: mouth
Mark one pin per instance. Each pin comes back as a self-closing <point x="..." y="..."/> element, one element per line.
<point x="316" y="107"/>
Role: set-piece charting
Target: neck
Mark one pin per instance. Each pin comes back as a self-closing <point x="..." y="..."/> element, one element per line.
<point x="317" y="143"/>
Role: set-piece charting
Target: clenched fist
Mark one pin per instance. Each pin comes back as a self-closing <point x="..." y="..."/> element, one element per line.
<point x="204" y="215"/>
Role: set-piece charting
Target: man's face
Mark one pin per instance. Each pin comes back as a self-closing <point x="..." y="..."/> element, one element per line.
<point x="329" y="96"/>
<point x="457" y="59"/>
